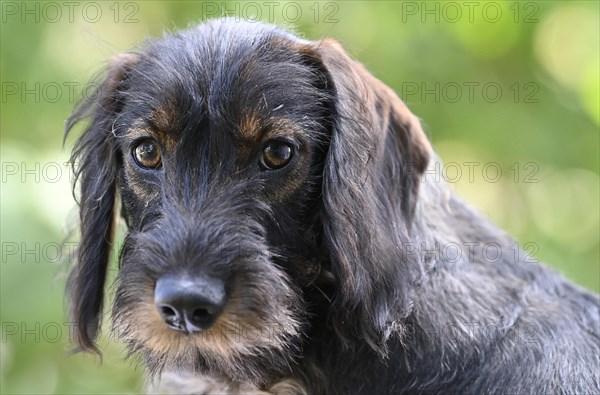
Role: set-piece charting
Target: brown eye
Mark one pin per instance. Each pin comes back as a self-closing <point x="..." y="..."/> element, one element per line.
<point x="276" y="155"/>
<point x="147" y="154"/>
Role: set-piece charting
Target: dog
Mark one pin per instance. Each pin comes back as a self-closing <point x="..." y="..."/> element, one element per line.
<point x="283" y="235"/>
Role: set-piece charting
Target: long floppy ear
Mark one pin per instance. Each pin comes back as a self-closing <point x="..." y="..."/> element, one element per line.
<point x="95" y="163"/>
<point x="377" y="155"/>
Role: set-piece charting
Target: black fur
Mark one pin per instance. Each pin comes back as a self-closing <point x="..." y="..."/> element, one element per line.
<point x="334" y="260"/>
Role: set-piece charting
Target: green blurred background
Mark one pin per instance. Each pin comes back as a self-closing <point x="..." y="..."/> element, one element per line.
<point x="499" y="85"/>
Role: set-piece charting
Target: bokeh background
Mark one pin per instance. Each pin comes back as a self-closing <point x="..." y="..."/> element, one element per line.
<point x="510" y="86"/>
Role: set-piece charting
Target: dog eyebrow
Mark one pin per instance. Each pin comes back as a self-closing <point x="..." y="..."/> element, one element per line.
<point x="160" y="123"/>
<point x="144" y="127"/>
<point x="138" y="128"/>
<point x="250" y="127"/>
<point x="253" y="128"/>
<point x="163" y="118"/>
<point x="283" y="128"/>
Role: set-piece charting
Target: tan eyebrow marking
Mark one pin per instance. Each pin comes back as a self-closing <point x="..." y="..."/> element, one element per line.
<point x="140" y="129"/>
<point x="252" y="131"/>
<point x="164" y="118"/>
<point x="250" y="126"/>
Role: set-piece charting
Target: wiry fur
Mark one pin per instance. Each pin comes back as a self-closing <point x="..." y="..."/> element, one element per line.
<point x="334" y="275"/>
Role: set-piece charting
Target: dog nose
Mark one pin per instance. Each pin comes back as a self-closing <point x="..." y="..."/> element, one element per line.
<point x="189" y="304"/>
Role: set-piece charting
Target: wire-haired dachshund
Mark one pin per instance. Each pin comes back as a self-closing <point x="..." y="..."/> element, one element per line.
<point x="283" y="234"/>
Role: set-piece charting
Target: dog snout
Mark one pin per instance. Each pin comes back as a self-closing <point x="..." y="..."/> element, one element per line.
<point x="189" y="304"/>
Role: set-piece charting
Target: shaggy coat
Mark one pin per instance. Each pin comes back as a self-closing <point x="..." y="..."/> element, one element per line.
<point x="345" y="268"/>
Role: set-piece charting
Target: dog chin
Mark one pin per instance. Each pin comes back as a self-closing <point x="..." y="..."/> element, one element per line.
<point x="256" y="366"/>
<point x="242" y="348"/>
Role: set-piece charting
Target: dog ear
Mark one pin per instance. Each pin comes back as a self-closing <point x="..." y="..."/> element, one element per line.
<point x="377" y="155"/>
<point x="95" y="162"/>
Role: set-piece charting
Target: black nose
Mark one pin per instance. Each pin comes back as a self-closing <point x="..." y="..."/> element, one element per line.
<point x="189" y="304"/>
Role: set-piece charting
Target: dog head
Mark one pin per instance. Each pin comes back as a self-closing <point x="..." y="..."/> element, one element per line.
<point x="266" y="182"/>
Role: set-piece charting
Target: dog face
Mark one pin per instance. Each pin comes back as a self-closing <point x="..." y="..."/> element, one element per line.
<point x="266" y="182"/>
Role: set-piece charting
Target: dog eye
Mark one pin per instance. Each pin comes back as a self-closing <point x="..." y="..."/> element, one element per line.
<point x="147" y="154"/>
<point x="276" y="155"/>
